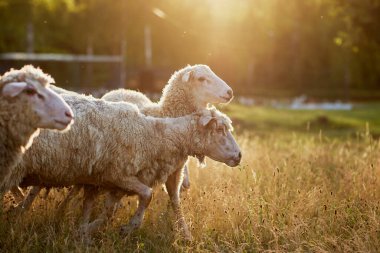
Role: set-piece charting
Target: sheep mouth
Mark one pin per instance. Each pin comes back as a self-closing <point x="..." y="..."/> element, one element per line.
<point x="63" y="123"/>
<point x="233" y="162"/>
<point x="226" y="99"/>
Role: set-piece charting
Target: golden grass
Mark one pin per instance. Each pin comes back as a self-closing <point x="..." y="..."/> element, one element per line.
<point x="291" y="193"/>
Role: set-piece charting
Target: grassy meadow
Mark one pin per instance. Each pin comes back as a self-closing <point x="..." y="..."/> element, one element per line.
<point x="309" y="181"/>
<point x="261" y="119"/>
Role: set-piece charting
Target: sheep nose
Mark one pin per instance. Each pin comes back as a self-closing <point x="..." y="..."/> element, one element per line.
<point x="239" y="155"/>
<point x="69" y="114"/>
<point x="230" y="93"/>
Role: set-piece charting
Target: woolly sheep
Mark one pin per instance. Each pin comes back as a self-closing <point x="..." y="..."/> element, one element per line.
<point x="147" y="152"/>
<point x="27" y="104"/>
<point x="188" y="90"/>
<point x="173" y="186"/>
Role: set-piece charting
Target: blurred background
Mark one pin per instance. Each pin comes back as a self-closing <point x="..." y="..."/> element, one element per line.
<point x="300" y="57"/>
<point x="320" y="48"/>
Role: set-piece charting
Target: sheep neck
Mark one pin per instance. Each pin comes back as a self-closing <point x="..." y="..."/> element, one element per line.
<point x="16" y="132"/>
<point x="174" y="137"/>
<point x="176" y="101"/>
<point x="17" y="121"/>
<point x="183" y="135"/>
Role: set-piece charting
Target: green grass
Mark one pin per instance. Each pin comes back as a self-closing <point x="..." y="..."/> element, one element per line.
<point x="332" y="123"/>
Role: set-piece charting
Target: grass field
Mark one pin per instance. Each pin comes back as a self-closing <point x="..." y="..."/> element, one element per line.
<point x="263" y="119"/>
<point x="309" y="181"/>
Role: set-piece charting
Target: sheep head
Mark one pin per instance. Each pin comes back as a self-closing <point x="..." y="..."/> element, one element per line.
<point x="205" y="85"/>
<point x="214" y="139"/>
<point x="29" y="87"/>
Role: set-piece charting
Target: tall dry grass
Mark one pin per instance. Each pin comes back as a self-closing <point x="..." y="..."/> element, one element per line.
<point x="291" y="193"/>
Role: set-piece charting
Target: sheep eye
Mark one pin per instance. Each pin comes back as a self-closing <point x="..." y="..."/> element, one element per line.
<point x="201" y="79"/>
<point x="41" y="97"/>
<point x="30" y="91"/>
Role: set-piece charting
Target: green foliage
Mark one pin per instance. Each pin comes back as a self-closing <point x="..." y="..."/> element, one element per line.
<point x="256" y="45"/>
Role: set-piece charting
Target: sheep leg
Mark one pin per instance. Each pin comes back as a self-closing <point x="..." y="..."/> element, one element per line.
<point x="17" y="194"/>
<point x="89" y="195"/>
<point x="145" y="196"/>
<point x="47" y="191"/>
<point x="186" y="179"/>
<point x="173" y="185"/>
<point x="136" y="221"/>
<point x="28" y="200"/>
<point x="72" y="193"/>
<point x="112" y="199"/>
<point x="129" y="184"/>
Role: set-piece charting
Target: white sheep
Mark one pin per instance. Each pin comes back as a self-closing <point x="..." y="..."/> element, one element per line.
<point x="113" y="145"/>
<point x="27" y="104"/>
<point x="188" y="90"/>
<point x="173" y="186"/>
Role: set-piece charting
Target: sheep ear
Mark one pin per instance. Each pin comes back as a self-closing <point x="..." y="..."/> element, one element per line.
<point x="187" y="76"/>
<point x="207" y="120"/>
<point x="13" y="89"/>
<point x="204" y="120"/>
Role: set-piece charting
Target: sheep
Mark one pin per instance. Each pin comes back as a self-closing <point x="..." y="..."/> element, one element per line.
<point x="188" y="90"/>
<point x="26" y="105"/>
<point x="173" y="186"/>
<point x="147" y="151"/>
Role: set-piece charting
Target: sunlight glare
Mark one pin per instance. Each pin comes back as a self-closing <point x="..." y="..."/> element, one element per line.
<point x="159" y="13"/>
